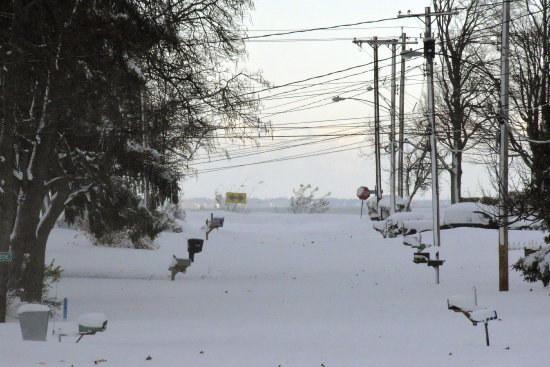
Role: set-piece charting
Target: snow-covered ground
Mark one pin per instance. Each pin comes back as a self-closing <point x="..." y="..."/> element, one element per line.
<point x="284" y="290"/>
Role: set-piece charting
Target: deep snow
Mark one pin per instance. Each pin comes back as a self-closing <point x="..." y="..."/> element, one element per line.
<point x="274" y="289"/>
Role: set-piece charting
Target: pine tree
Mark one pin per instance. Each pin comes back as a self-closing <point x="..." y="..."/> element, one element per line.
<point x="74" y="74"/>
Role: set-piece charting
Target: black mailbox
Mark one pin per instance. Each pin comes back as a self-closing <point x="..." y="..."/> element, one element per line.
<point x="436" y="263"/>
<point x="421" y="257"/>
<point x="194" y="246"/>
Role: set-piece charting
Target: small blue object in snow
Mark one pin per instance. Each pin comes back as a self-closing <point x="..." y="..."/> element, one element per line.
<point x="483" y="315"/>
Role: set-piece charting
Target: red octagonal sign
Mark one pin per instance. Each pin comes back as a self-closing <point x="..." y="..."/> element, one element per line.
<point x="363" y="193"/>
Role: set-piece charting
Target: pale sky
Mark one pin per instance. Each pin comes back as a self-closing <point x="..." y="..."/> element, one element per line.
<point x="288" y="59"/>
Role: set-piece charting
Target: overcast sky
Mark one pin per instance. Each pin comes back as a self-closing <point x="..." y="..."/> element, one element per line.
<point x="305" y="120"/>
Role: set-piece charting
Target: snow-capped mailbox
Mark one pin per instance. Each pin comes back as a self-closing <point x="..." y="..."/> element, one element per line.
<point x="178" y="265"/>
<point x="217" y="222"/>
<point x="91" y="323"/>
<point x="483" y="315"/>
<point x="421" y="257"/>
<point x="213" y="223"/>
<point x="363" y="193"/>
<point x="194" y="246"/>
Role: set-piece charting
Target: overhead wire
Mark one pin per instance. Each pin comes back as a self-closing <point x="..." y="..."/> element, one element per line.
<point x="314" y="104"/>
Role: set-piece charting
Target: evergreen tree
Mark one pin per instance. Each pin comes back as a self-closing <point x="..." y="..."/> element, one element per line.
<point x="99" y="97"/>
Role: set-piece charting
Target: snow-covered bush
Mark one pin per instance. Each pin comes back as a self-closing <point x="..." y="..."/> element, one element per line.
<point x="114" y="214"/>
<point x="304" y="202"/>
<point x="380" y="209"/>
<point x="167" y="215"/>
<point x="535" y="266"/>
<point x="394" y="224"/>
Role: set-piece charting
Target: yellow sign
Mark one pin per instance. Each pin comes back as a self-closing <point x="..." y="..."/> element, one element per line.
<point x="235" y="198"/>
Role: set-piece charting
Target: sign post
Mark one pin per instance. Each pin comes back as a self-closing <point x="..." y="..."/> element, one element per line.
<point x="363" y="193"/>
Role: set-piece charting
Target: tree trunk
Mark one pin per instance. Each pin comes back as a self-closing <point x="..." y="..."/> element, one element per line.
<point x="28" y="258"/>
<point x="8" y="192"/>
<point x="456" y="177"/>
<point x="24" y="241"/>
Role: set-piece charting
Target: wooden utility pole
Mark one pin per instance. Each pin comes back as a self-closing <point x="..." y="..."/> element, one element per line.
<point x="377" y="125"/>
<point x="401" y="118"/>
<point x="429" y="54"/>
<point x="374" y="42"/>
<point x="392" y="133"/>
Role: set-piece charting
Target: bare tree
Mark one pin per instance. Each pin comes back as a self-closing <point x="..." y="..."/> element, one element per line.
<point x="462" y="83"/>
<point x="530" y="114"/>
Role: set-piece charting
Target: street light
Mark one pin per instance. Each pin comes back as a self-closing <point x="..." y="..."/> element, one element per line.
<point x="376" y="150"/>
<point x="409" y="54"/>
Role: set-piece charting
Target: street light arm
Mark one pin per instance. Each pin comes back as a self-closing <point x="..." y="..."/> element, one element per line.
<point x="409" y="54"/>
<point x="366" y="101"/>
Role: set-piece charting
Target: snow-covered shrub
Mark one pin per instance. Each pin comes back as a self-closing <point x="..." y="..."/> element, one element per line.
<point x="167" y="215"/>
<point x="303" y="202"/>
<point x="380" y="210"/>
<point x="115" y="215"/>
<point x="535" y="266"/>
<point x="394" y="224"/>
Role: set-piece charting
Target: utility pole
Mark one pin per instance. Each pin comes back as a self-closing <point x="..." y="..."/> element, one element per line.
<point x="429" y="54"/>
<point x="503" y="169"/>
<point x="374" y="42"/>
<point x="429" y="51"/>
<point x="392" y="130"/>
<point x="377" y="126"/>
<point x="401" y="117"/>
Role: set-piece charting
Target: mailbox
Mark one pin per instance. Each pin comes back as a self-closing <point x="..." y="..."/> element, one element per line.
<point x="194" y="246"/>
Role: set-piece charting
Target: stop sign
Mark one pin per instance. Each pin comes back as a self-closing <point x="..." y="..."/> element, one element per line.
<point x="363" y="193"/>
